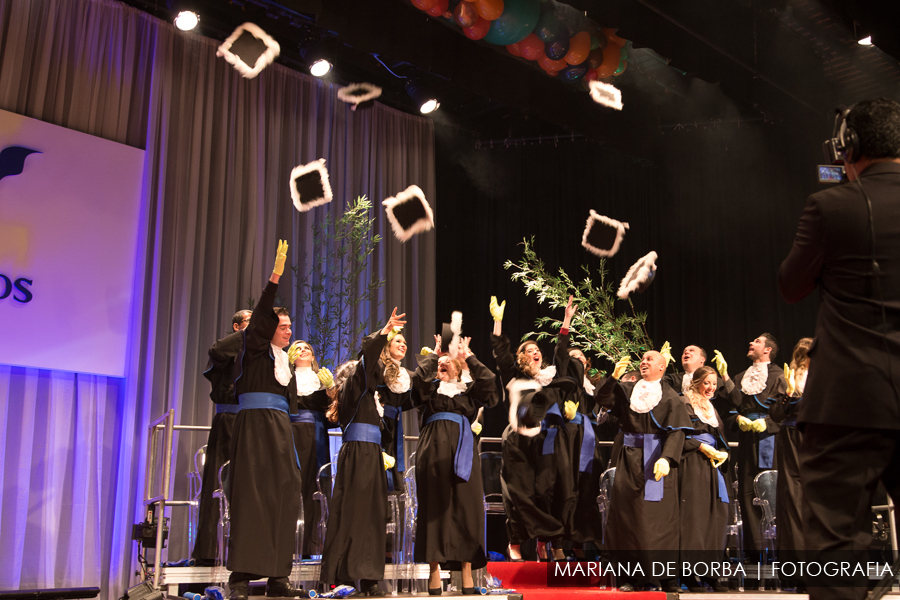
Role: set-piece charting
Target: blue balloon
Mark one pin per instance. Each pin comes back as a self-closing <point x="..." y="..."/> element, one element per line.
<point x="557" y="49"/>
<point x="517" y="21"/>
<point x="573" y="72"/>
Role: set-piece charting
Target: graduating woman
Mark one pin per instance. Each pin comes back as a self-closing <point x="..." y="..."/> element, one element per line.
<point x="396" y="396"/>
<point x="311" y="393"/>
<point x="357" y="519"/>
<point x="450" y="523"/>
<point x="702" y="485"/>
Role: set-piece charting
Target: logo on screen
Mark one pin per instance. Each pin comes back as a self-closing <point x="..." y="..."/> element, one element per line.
<point x="12" y="160"/>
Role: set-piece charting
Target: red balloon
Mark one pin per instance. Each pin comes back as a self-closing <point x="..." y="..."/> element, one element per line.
<point x="514" y="49"/>
<point x="550" y="65"/>
<point x="464" y="14"/>
<point x="425" y="5"/>
<point x="579" y="48"/>
<point x="489" y="9"/>
<point x="532" y="47"/>
<point x="438" y="9"/>
<point x="481" y="28"/>
<point x="591" y="75"/>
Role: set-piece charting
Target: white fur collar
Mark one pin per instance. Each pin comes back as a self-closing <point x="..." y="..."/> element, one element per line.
<point x="800" y="380"/>
<point x="282" y="365"/>
<point x="646" y="395"/>
<point x="451" y="388"/>
<point x="703" y="409"/>
<point x="754" y="379"/>
<point x="545" y="375"/>
<point x="378" y="405"/>
<point x="588" y="386"/>
<point x="307" y="381"/>
<point x="402" y="384"/>
<point x="686" y="382"/>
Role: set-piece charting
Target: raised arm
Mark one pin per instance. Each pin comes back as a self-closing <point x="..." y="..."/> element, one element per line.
<point x="263" y="321"/>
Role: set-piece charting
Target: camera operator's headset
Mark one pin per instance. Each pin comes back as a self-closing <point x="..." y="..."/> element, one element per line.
<point x="846" y="144"/>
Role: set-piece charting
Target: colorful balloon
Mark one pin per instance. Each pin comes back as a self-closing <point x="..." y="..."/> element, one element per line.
<point x="610" y="61"/>
<point x="425" y="5"/>
<point x="579" y="48"/>
<point x="514" y="49"/>
<point x="557" y="49"/>
<point x="613" y="38"/>
<point x="517" y="21"/>
<point x="548" y="64"/>
<point x="479" y="29"/>
<point x="595" y="58"/>
<point x="532" y="47"/>
<point x="573" y="72"/>
<point x="489" y="9"/>
<point x="465" y="15"/>
<point x="439" y="9"/>
<point x="622" y="67"/>
<point x="548" y="27"/>
<point x="591" y="75"/>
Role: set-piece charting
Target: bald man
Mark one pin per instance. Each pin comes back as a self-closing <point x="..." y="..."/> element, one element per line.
<point x="645" y="513"/>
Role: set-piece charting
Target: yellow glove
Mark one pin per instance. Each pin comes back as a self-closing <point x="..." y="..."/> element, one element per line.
<point x="623" y="365"/>
<point x="389" y="461"/>
<point x="744" y="423"/>
<point x="570" y="409"/>
<point x="278" y="269"/>
<point x="721" y="365"/>
<point x="425" y="351"/>
<point x="476" y="428"/>
<point x="666" y="352"/>
<point x="721" y="457"/>
<point x="758" y="425"/>
<point x="497" y="309"/>
<point x="790" y="379"/>
<point x="294" y="352"/>
<point x="661" y="468"/>
<point x="325" y="378"/>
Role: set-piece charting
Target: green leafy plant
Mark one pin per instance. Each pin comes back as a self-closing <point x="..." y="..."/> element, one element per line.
<point x="337" y="301"/>
<point x="596" y="327"/>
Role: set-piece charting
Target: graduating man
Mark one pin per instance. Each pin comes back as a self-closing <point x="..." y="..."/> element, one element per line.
<point x="848" y="245"/>
<point x="219" y="371"/>
<point x="755" y="391"/>
<point x="265" y="473"/>
<point x="692" y="359"/>
<point x="644" y="515"/>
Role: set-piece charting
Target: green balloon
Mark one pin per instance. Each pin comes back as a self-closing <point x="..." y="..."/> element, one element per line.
<point x="595" y="43"/>
<point x="517" y="21"/>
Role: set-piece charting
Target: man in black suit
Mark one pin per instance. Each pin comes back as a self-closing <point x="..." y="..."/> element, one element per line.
<point x="848" y="244"/>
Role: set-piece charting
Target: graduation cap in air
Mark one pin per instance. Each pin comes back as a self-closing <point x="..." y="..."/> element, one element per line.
<point x="358" y="93"/>
<point x="249" y="49"/>
<point x="602" y="235"/>
<point x="605" y="94"/>
<point x="409" y="213"/>
<point x="310" y="186"/>
<point x="639" y="276"/>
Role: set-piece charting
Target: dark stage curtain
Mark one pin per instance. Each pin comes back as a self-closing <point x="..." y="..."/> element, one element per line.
<point x="719" y="207"/>
<point x="219" y="149"/>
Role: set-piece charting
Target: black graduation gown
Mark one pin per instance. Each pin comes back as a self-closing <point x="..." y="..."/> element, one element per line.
<point x="265" y="478"/>
<point x="220" y="372"/>
<point x="528" y="476"/>
<point x="704" y="516"/>
<point x="789" y="495"/>
<point x="390" y="442"/>
<point x="357" y="520"/>
<point x="749" y="445"/>
<point x="305" y="444"/>
<point x="450" y="521"/>
<point x="722" y="400"/>
<point x="635" y="524"/>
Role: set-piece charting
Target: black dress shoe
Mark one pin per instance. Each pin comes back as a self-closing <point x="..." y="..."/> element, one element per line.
<point x="283" y="589"/>
<point x="470" y="591"/>
<point x="626" y="587"/>
<point x="435" y="591"/>
<point x="239" y="591"/>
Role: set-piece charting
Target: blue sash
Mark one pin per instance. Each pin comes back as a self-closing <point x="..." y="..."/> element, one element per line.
<point x="257" y="400"/>
<point x="394" y="413"/>
<point x="362" y="432"/>
<point x="228" y="408"/>
<point x="462" y="464"/>
<point x="707" y="438"/>
<point x="588" y="441"/>
<point x="303" y="415"/>
<point x="323" y="452"/>
<point x="766" y="456"/>
<point x="551" y="419"/>
<point x="650" y="442"/>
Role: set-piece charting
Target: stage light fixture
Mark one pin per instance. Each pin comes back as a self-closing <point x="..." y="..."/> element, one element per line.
<point x="315" y="57"/>
<point x="320" y="68"/>
<point x="423" y="99"/>
<point x="187" y="20"/>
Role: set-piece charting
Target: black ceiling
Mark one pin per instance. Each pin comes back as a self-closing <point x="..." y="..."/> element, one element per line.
<point x="693" y="60"/>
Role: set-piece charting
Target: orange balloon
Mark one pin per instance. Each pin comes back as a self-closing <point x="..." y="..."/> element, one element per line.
<point x="548" y="64"/>
<point x="612" y="37"/>
<point x="611" y="56"/>
<point x="425" y="5"/>
<point x="481" y="28"/>
<point x="489" y="9"/>
<point x="514" y="49"/>
<point x="532" y="47"/>
<point x="579" y="48"/>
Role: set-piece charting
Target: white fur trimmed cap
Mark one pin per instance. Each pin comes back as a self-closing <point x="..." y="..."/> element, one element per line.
<point x="409" y="213"/>
<point x="606" y="94"/>
<point x="639" y="276"/>
<point x="249" y="49"/>
<point x="602" y="235"/>
<point x="310" y="186"/>
<point x="357" y="93"/>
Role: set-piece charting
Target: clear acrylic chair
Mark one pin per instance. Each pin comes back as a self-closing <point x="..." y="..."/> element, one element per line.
<point x="607" y="479"/>
<point x="223" y="527"/>
<point x="410" y="511"/>
<point x="195" y="487"/>
<point x="322" y="495"/>
<point x="764" y="486"/>
<point x="735" y="529"/>
<point x="298" y="546"/>
<point x="491" y="466"/>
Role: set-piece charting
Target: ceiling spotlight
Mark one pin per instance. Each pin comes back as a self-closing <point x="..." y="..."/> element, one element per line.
<point x="187" y="20"/>
<point x="320" y="67"/>
<point x="866" y="41"/>
<point x="422" y="98"/>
